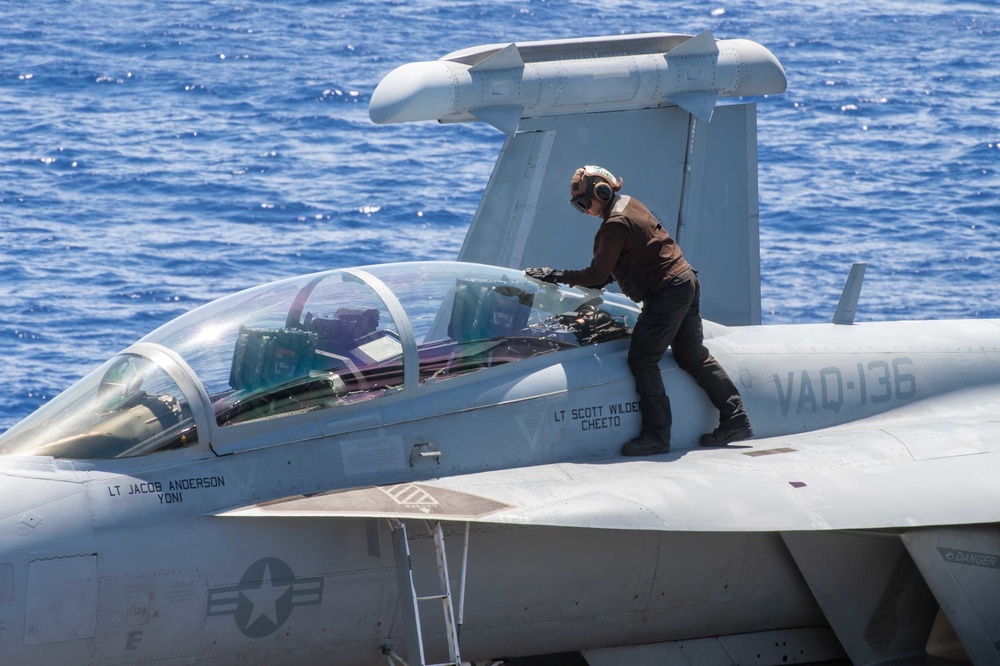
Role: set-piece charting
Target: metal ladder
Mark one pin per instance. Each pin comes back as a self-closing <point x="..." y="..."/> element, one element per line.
<point x="410" y="602"/>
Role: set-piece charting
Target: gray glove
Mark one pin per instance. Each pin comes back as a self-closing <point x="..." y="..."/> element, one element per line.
<point x="544" y="274"/>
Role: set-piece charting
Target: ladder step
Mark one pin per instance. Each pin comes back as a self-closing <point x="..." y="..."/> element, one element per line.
<point x="411" y="612"/>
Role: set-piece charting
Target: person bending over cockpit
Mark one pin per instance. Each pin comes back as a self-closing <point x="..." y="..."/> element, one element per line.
<point x="631" y="247"/>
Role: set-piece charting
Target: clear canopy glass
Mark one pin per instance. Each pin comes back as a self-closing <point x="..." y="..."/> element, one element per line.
<point x="315" y="342"/>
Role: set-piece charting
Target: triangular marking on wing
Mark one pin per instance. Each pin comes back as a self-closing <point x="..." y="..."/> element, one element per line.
<point x="409" y="494"/>
<point x="398" y="501"/>
<point x="531" y="426"/>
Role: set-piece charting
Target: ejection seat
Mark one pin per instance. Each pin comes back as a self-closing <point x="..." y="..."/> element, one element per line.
<point x="485" y="316"/>
<point x="486" y="310"/>
<point x="340" y="343"/>
<point x="343" y="357"/>
<point x="269" y="357"/>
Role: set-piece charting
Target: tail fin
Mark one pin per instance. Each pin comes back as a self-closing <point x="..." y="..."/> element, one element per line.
<point x="638" y="105"/>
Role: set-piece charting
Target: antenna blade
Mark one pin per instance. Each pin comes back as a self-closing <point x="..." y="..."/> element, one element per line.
<point x="700" y="44"/>
<point x="506" y="58"/>
<point x="849" y="297"/>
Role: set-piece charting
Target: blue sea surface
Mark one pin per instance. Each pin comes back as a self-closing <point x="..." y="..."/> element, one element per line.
<point x="156" y="155"/>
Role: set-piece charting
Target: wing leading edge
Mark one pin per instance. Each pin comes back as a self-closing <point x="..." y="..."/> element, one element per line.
<point x="877" y="474"/>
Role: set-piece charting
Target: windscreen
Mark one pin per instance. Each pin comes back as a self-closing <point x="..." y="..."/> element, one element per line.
<point x="127" y="407"/>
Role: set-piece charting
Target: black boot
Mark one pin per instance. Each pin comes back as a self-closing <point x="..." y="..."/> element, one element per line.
<point x="655" y="436"/>
<point x="734" y="429"/>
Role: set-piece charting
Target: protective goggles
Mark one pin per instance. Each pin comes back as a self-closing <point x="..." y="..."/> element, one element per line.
<point x="581" y="202"/>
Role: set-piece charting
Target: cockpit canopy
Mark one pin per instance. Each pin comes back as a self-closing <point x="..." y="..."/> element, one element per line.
<point x="320" y="341"/>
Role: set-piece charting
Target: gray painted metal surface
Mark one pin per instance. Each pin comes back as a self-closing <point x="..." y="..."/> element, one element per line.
<point x="699" y="179"/>
<point x="960" y="565"/>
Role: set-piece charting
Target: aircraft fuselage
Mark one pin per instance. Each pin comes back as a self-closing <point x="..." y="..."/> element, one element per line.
<point x="124" y="561"/>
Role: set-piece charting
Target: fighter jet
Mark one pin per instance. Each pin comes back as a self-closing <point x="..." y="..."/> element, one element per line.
<point x="419" y="462"/>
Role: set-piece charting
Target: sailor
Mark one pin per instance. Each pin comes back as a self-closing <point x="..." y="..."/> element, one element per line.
<point x="633" y="249"/>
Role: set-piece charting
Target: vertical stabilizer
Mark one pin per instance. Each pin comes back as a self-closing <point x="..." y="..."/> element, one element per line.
<point x="643" y="106"/>
<point x="698" y="178"/>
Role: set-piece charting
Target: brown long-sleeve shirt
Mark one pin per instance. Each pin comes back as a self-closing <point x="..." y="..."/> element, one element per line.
<point x="630" y="247"/>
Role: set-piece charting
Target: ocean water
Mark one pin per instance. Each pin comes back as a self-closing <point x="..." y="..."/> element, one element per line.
<point x="157" y="154"/>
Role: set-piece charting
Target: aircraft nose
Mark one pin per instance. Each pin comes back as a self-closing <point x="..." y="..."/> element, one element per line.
<point x="43" y="512"/>
<point x="28" y="487"/>
<point x="48" y="561"/>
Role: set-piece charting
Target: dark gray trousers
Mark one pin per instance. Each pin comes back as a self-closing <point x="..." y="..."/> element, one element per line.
<point x="671" y="317"/>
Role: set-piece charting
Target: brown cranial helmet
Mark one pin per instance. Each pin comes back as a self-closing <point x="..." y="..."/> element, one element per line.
<point x="591" y="182"/>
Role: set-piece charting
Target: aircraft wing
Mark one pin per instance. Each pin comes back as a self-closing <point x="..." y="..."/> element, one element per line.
<point x="905" y="470"/>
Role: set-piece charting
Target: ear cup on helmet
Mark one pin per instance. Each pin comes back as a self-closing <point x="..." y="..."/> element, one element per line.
<point x="603" y="191"/>
<point x="592" y="182"/>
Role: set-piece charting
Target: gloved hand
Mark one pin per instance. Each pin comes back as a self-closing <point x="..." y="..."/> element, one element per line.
<point x="544" y="274"/>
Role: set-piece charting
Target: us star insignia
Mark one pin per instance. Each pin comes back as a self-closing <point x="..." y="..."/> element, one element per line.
<point x="264" y="598"/>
